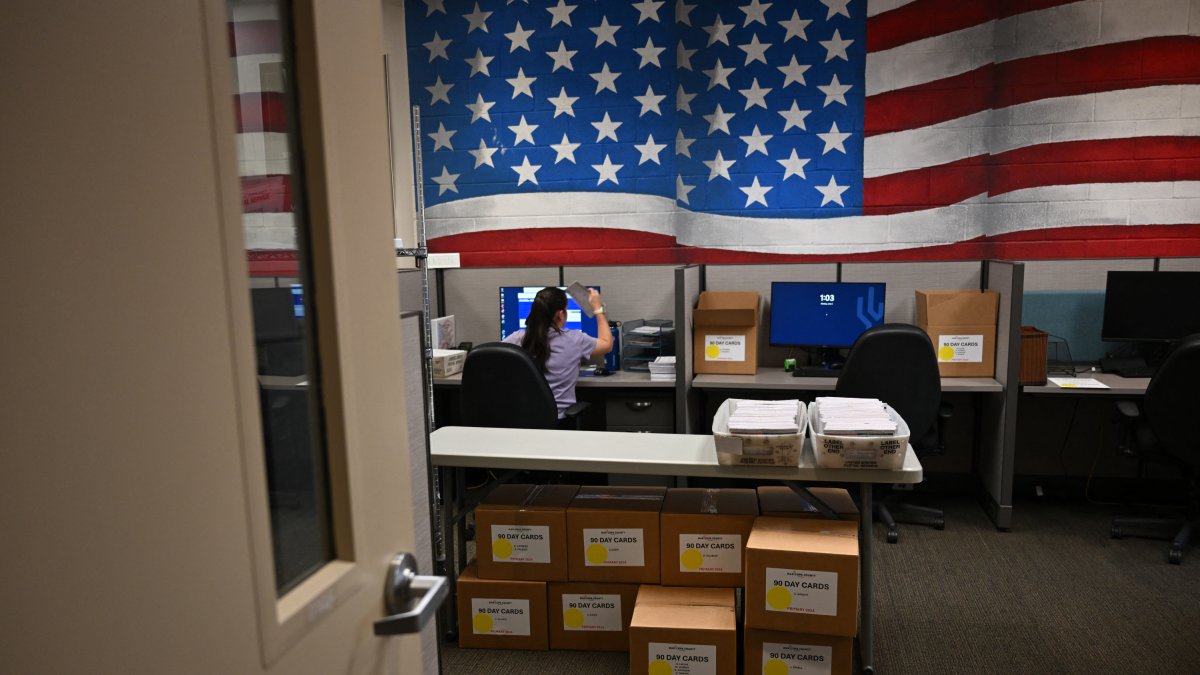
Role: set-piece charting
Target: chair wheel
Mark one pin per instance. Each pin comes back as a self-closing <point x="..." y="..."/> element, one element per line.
<point x="939" y="524"/>
<point x="1115" y="531"/>
<point x="893" y="536"/>
<point x="1175" y="557"/>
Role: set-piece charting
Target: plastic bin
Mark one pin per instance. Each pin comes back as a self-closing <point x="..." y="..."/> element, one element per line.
<point x="757" y="449"/>
<point x="859" y="452"/>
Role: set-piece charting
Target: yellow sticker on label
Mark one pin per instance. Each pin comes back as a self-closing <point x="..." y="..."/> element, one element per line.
<point x="779" y="598"/>
<point x="691" y="559"/>
<point x="502" y="549"/>
<point x="660" y="667"/>
<point x="712" y="351"/>
<point x="482" y="623"/>
<point x="596" y="554"/>
<point x="775" y="667"/>
<point x="945" y="353"/>
<point x="573" y="618"/>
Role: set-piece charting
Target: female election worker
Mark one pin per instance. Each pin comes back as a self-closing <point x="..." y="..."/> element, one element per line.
<point x="557" y="351"/>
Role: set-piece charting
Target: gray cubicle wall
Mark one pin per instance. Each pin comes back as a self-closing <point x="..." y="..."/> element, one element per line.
<point x="904" y="279"/>
<point x="472" y="296"/>
<point x="1078" y="275"/>
<point x="998" y="419"/>
<point x="409" y="281"/>
<point x="1179" y="265"/>
<point x="687" y="400"/>
<point x="631" y="291"/>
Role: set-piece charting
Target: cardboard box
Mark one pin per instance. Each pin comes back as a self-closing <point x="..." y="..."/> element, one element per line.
<point x="962" y="327"/>
<point x="495" y="614"/>
<point x="704" y="533"/>
<point x="613" y="534"/>
<point x="447" y="362"/>
<point x="777" y="500"/>
<point x="802" y="576"/>
<point x="677" y="630"/>
<point x="772" y="652"/>
<point x="523" y="529"/>
<point x="590" y="616"/>
<point x="725" y="332"/>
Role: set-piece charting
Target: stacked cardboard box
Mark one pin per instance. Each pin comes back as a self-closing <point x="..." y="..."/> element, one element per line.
<point x="613" y="534"/>
<point x="777" y="500"/>
<point x="500" y="614"/>
<point x="683" y="630"/>
<point x="704" y="535"/>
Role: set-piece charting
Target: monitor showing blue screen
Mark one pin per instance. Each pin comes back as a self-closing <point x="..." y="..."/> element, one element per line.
<point x="823" y="314"/>
<point x="298" y="300"/>
<point x="515" y="302"/>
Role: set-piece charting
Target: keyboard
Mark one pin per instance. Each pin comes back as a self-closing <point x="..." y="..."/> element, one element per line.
<point x="815" y="371"/>
<point x="1137" y="371"/>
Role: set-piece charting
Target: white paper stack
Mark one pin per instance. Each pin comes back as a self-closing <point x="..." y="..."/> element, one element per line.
<point x="764" y="417"/>
<point x="663" y="368"/>
<point x="854" y="417"/>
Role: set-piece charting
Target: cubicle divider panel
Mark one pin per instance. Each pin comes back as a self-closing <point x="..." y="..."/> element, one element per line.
<point x="472" y="296"/>
<point x="1075" y="275"/>
<point x="904" y="279"/>
<point x="998" y="424"/>
<point x="758" y="278"/>
<point x="409" y="281"/>
<point x="687" y="400"/>
<point x="631" y="291"/>
<point x="1179" y="265"/>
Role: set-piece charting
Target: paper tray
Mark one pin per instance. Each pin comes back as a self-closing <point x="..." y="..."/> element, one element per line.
<point x="859" y="452"/>
<point x="757" y="449"/>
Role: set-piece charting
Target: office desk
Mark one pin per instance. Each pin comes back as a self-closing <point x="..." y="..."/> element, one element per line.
<point x="1118" y="386"/>
<point x="775" y="379"/>
<point x="619" y="379"/>
<point x="453" y="448"/>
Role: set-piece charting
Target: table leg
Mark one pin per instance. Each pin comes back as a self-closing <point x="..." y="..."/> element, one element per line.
<point x="866" y="631"/>
<point x="451" y="537"/>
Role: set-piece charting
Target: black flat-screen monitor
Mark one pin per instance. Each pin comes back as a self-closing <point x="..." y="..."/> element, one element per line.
<point x="1151" y="306"/>
<point x="823" y="314"/>
<point x="515" y="302"/>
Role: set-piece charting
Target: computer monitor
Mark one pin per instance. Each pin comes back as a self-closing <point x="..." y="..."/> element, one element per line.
<point x="298" y="300"/>
<point x="274" y="315"/>
<point x="1150" y="306"/>
<point x="823" y="314"/>
<point x="515" y="302"/>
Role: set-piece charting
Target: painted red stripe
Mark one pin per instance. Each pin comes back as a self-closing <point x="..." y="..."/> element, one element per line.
<point x="267" y="194"/>
<point x="927" y="18"/>
<point x="1122" y="160"/>
<point x="1125" y="65"/>
<point x="255" y="37"/>
<point x="260" y="111"/>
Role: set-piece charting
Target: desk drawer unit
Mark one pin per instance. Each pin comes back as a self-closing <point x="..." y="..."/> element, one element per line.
<point x="640" y="413"/>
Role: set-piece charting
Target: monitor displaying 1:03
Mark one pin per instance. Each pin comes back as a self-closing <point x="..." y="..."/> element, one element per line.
<point x="823" y="314"/>
<point x="1150" y="306"/>
<point x="515" y="302"/>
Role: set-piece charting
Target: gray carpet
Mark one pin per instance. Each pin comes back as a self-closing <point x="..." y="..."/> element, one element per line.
<point x="1054" y="595"/>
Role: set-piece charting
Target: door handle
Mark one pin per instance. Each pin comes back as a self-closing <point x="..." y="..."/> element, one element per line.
<point x="409" y="598"/>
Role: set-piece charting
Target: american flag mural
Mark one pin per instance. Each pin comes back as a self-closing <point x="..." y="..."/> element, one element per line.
<point x="731" y="130"/>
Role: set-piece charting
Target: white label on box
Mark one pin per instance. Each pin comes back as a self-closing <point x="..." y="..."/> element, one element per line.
<point x="960" y="348"/>
<point x="674" y="659"/>
<point x="521" y="543"/>
<point x="591" y="612"/>
<point x="497" y="616"/>
<point x="801" y="591"/>
<point x="710" y="553"/>
<point x="725" y="348"/>
<point x="603" y="547"/>
<point x="793" y="659"/>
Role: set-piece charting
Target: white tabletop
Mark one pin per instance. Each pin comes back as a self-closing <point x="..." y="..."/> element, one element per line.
<point x="632" y="453"/>
<point x="616" y="379"/>
<point x="1117" y="386"/>
<point x="777" y="378"/>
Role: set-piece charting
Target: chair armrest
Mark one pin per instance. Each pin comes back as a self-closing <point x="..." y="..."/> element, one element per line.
<point x="577" y="408"/>
<point x="945" y="412"/>
<point x="1129" y="409"/>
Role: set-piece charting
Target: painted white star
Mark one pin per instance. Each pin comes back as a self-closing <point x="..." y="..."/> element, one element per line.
<point x="719" y="119"/>
<point x="477" y="19"/>
<point x="682" y="189"/>
<point x="566" y="150"/>
<point x="650" y="151"/>
<point x="835" y="47"/>
<point x="835" y="91"/>
<point x="756" y="142"/>
<point x="755" y="95"/>
<point x="526" y="172"/>
<point x="483" y="155"/>
<point x="562" y="57"/>
<point x="794" y="117"/>
<point x="683" y="57"/>
<point x="683" y="12"/>
<point x="524" y="132"/>
<point x="649" y="54"/>
<point x="563" y="103"/>
<point x="648" y="9"/>
<point x="649" y="101"/>
<point x="793" y="166"/>
<point x="479" y="63"/>
<point x="718" y="166"/>
<point x="683" y="100"/>
<point x="756" y="193"/>
<point x="793" y="72"/>
<point x="755" y="11"/>
<point x="521" y="84"/>
<point x="432" y="6"/>
<point x="606" y="128"/>
<point x="446" y="181"/>
<point x="683" y="144"/>
<point x="518" y="38"/>
<point x="755" y="50"/>
<point x="439" y="90"/>
<point x="605" y="32"/>
<point x="836" y="7"/>
<point x="606" y="79"/>
<point x="718" y="32"/>
<point x="561" y="13"/>
<point x="479" y="109"/>
<point x="437" y="47"/>
<point x="718" y="75"/>
<point x="441" y="137"/>
<point x="795" y="27"/>
<point x="831" y="192"/>
<point x="834" y="139"/>
<point x="607" y="171"/>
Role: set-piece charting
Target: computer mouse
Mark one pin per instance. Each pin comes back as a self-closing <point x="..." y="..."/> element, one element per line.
<point x="601" y="371"/>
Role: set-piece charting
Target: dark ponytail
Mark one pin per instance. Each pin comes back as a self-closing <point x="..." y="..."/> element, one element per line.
<point x="547" y="303"/>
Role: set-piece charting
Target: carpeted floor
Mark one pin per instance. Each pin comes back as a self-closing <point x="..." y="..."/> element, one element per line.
<point x="1054" y="595"/>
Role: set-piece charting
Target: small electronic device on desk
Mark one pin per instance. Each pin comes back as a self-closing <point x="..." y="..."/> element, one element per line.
<point x="825" y="317"/>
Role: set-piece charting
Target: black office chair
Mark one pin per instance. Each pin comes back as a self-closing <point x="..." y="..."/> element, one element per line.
<point x="502" y="386"/>
<point x="896" y="364"/>
<point x="1164" y="431"/>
